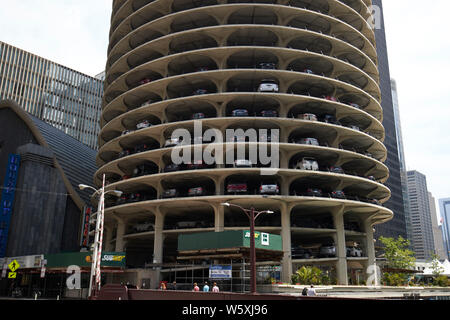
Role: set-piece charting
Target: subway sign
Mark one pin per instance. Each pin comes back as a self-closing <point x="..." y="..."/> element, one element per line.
<point x="7" y="200"/>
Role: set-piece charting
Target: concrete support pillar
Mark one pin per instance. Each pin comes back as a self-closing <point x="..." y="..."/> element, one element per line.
<point x="159" y="238"/>
<point x="121" y="227"/>
<point x="341" y="250"/>
<point x="370" y="246"/>
<point x="108" y="230"/>
<point x="219" y="217"/>
<point x="286" y="271"/>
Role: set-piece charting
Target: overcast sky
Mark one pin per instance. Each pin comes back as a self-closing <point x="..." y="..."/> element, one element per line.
<point x="74" y="33"/>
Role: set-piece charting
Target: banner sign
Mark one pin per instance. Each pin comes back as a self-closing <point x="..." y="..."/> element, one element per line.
<point x="7" y="200"/>
<point x="220" y="272"/>
<point x="85" y="227"/>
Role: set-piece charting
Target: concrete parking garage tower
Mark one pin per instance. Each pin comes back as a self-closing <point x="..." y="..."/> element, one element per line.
<point x="306" y="69"/>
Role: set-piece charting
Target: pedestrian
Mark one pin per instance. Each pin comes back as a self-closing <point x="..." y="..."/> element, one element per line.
<point x="174" y="286"/>
<point x="311" y="291"/>
<point x="163" y="286"/>
<point x="305" y="291"/>
<point x="215" y="288"/>
<point x="196" y="288"/>
<point x="206" y="287"/>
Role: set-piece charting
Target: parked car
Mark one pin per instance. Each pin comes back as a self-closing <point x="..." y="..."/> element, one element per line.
<point x="143" y="124"/>
<point x="198" y="115"/>
<point x="190" y="224"/>
<point x="142" y="148"/>
<point x="354" y="252"/>
<point x="125" y="132"/>
<point x="268" y="85"/>
<point x="335" y="169"/>
<point x="202" y="69"/>
<point x="307" y="164"/>
<point x="144" y="81"/>
<point x="269" y="113"/>
<point x="196" y="192"/>
<point x="352" y="226"/>
<point x="143" y="227"/>
<point x="371" y="178"/>
<point x="172" y="167"/>
<point x="200" y="91"/>
<point x="330" y="98"/>
<point x="309" y="71"/>
<point x="374" y="201"/>
<point x="197" y="164"/>
<point x="354" y="127"/>
<point x="267" y="65"/>
<point x="301" y="253"/>
<point x="240" y="113"/>
<point x="242" y="163"/>
<point x="240" y="187"/>
<point x="139" y="196"/>
<point x="309" y="141"/>
<point x="338" y="194"/>
<point x="170" y="193"/>
<point x="327" y="250"/>
<point x="354" y="105"/>
<point x="172" y="142"/>
<point x="307" y="116"/>
<point x="125" y="152"/>
<point x="314" y="192"/>
<point x="328" y="118"/>
<point x="144" y="169"/>
<point x="269" y="188"/>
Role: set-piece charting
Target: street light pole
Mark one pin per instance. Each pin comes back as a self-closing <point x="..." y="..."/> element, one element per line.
<point x="98" y="239"/>
<point x="252" y="216"/>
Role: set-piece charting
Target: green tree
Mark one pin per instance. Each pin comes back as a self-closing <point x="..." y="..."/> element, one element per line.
<point x="398" y="256"/>
<point x="309" y="275"/>
<point x="435" y="265"/>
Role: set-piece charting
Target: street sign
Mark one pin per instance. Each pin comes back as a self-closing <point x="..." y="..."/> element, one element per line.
<point x="12" y="275"/>
<point x="14" y="265"/>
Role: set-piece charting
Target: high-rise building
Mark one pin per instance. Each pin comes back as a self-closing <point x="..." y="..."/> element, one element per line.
<point x="397" y="226"/>
<point x="302" y="71"/>
<point x="419" y="204"/>
<point x="444" y="208"/>
<point x="437" y="230"/>
<point x="401" y="156"/>
<point x="64" y="98"/>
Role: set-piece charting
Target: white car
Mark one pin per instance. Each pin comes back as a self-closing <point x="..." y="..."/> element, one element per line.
<point x="143" y="124"/>
<point x="307" y="164"/>
<point x="242" y="163"/>
<point x="172" y="142"/>
<point x="307" y="116"/>
<point x="268" y="85"/>
<point x="354" y="252"/>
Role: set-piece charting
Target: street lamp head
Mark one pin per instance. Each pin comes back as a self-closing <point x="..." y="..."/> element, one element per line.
<point x="270" y="211"/>
<point x="118" y="193"/>
<point x="83" y="186"/>
<point x="226" y="204"/>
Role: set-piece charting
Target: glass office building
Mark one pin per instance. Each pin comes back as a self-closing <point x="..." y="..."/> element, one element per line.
<point x="444" y="205"/>
<point x="64" y="98"/>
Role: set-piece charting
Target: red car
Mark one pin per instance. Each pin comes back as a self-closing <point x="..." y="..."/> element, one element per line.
<point x="237" y="187"/>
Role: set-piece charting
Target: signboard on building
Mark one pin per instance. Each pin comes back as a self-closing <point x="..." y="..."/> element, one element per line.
<point x="7" y="199"/>
<point x="84" y="259"/>
<point x="26" y="262"/>
<point x="220" y="272"/>
<point x="85" y="227"/>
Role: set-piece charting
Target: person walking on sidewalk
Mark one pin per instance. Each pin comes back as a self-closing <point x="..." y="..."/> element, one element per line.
<point x="215" y="288"/>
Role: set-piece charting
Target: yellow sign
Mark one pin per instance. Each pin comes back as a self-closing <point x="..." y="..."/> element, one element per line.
<point x="14" y="265"/>
<point x="12" y="275"/>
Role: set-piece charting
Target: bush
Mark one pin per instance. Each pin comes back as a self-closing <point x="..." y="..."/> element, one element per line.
<point x="395" y="279"/>
<point x="308" y="275"/>
<point x="441" y="281"/>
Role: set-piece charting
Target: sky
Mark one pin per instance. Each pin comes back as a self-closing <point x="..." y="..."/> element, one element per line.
<point x="74" y="33"/>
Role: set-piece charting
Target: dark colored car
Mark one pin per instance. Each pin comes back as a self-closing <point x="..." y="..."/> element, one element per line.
<point x="240" y="113"/>
<point x="328" y="118"/>
<point x="314" y="192"/>
<point x="144" y="169"/>
<point x="196" y="165"/>
<point x="144" y="81"/>
<point x="173" y="167"/>
<point x="310" y="141"/>
<point x="354" y="105"/>
<point x="352" y="226"/>
<point x="336" y="170"/>
<point x="330" y="98"/>
<point x="301" y="253"/>
<point x="269" y="113"/>
<point x="142" y="148"/>
<point x="198" y="115"/>
<point x="338" y="194"/>
<point x="327" y="250"/>
<point x="200" y="91"/>
<point x="267" y="65"/>
<point x="309" y="71"/>
<point x="125" y="153"/>
<point x="202" y="69"/>
<point x="170" y="193"/>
